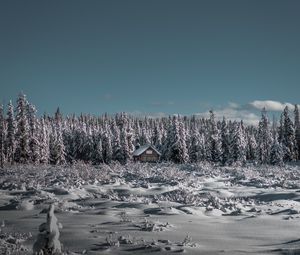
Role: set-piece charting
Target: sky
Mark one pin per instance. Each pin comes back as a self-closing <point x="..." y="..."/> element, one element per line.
<point x="151" y="57"/>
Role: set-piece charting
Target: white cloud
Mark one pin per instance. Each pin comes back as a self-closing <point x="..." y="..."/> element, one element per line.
<point x="270" y="105"/>
<point x="232" y="112"/>
<point x="247" y="112"/>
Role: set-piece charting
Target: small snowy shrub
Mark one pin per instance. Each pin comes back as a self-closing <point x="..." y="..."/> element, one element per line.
<point x="47" y="242"/>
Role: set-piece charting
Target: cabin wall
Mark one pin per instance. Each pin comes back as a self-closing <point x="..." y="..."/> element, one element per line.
<point x="149" y="158"/>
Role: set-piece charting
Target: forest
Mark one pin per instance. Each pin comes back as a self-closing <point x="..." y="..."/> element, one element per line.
<point x="26" y="138"/>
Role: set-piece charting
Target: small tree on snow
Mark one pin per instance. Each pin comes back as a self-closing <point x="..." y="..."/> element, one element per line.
<point x="47" y="242"/>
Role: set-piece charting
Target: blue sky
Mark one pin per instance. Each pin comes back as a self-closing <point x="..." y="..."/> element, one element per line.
<point x="150" y="57"/>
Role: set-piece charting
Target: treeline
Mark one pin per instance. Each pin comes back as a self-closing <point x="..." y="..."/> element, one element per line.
<point x="26" y="138"/>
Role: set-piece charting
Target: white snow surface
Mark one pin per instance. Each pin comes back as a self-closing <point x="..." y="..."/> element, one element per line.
<point x="151" y="208"/>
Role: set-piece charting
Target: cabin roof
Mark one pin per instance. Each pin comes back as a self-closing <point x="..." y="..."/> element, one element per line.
<point x="143" y="148"/>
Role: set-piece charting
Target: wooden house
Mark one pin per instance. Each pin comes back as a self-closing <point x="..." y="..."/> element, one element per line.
<point x="146" y="153"/>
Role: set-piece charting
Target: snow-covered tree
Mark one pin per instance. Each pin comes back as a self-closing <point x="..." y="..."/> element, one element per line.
<point x="157" y="136"/>
<point x="116" y="143"/>
<point x="276" y="155"/>
<point x="47" y="242"/>
<point x="34" y="141"/>
<point x="225" y="143"/>
<point x="297" y="130"/>
<point x="2" y="137"/>
<point x="197" y="146"/>
<point x="288" y="136"/>
<point x="10" y="145"/>
<point x="264" y="139"/>
<point x="183" y="142"/>
<point x="22" y="153"/>
<point x="214" y="142"/>
<point x="238" y="144"/>
<point x="251" y="145"/>
<point x="125" y="151"/>
<point x="97" y="153"/>
<point x="144" y="138"/>
<point x="57" y="147"/>
<point x="106" y="145"/>
<point x="176" y="149"/>
<point x="44" y="142"/>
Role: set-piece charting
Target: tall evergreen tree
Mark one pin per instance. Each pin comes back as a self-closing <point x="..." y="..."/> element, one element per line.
<point x="2" y="137"/>
<point x="276" y="155"/>
<point x="157" y="136"/>
<point x="22" y="153"/>
<point x="251" y="146"/>
<point x="225" y="146"/>
<point x="196" y="146"/>
<point x="238" y="144"/>
<point x="97" y="153"/>
<point x="214" y="144"/>
<point x="106" y="145"/>
<point x="34" y="142"/>
<point x="44" y="142"/>
<point x="297" y="130"/>
<point x="144" y="138"/>
<point x="10" y="145"/>
<point x="288" y="136"/>
<point x="116" y="143"/>
<point x="264" y="139"/>
<point x="125" y="152"/>
<point x="176" y="140"/>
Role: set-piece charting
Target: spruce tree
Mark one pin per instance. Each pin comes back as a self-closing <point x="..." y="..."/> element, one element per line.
<point x="34" y="142"/>
<point x="56" y="144"/>
<point x="276" y="155"/>
<point x="251" y="145"/>
<point x="225" y="153"/>
<point x="10" y="145"/>
<point x="22" y="153"/>
<point x="2" y="137"/>
<point x="44" y="142"/>
<point x="97" y="153"/>
<point x="157" y="136"/>
<point x="116" y="143"/>
<point x="238" y="144"/>
<point x="106" y="145"/>
<point x="144" y="138"/>
<point x="288" y="136"/>
<point x="214" y="144"/>
<point x="297" y="131"/>
<point x="264" y="139"/>
<point x="196" y="147"/>
<point x="177" y="149"/>
<point x="125" y="152"/>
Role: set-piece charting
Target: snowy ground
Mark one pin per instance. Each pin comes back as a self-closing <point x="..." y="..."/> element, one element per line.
<point x="157" y="209"/>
